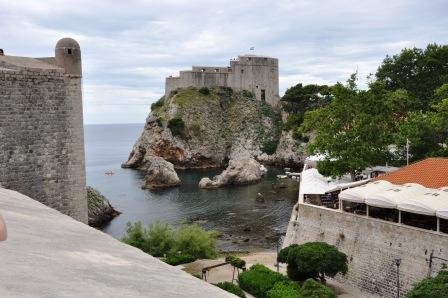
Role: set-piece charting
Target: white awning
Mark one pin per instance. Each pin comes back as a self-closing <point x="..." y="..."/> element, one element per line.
<point x="359" y="194"/>
<point x="391" y="196"/>
<point x="433" y="202"/>
<point x="312" y="182"/>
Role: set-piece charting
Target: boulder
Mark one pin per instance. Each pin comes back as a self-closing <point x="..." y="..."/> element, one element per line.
<point x="240" y="171"/>
<point x="160" y="174"/>
<point x="100" y="211"/>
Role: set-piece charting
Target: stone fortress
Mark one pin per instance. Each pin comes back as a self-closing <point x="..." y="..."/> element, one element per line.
<point x="256" y="74"/>
<point x="41" y="128"/>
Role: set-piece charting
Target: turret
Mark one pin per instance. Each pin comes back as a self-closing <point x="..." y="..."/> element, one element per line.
<point x="68" y="56"/>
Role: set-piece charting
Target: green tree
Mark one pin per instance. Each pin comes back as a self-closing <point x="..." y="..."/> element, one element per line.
<point x="427" y="132"/>
<point x="354" y="130"/>
<point x="418" y="71"/>
<point x="431" y="287"/>
<point x="313" y="260"/>
<point x="299" y="99"/>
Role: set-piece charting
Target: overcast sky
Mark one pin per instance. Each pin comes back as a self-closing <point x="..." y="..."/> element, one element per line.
<point x="129" y="47"/>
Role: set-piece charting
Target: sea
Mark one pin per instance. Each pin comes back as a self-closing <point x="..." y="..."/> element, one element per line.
<point x="243" y="223"/>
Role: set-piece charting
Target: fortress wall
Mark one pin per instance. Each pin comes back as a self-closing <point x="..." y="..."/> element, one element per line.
<point x="196" y="79"/>
<point x="41" y="133"/>
<point x="371" y="246"/>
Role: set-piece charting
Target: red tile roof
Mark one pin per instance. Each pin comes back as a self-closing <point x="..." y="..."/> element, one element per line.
<point x="431" y="173"/>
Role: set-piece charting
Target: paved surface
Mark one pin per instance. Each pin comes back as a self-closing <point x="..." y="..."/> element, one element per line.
<point x="48" y="254"/>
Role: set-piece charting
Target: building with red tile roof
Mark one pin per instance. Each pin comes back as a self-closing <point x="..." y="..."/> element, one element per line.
<point x="430" y="172"/>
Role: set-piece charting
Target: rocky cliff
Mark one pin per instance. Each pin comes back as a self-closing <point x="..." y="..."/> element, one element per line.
<point x="200" y="128"/>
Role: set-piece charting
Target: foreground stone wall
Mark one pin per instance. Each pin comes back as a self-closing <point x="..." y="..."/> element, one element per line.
<point x="371" y="246"/>
<point x="48" y="254"/>
<point x="41" y="138"/>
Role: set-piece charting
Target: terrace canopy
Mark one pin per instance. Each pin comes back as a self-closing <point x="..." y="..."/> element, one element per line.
<point x="391" y="196"/>
<point x="359" y="194"/>
<point x="434" y="202"/>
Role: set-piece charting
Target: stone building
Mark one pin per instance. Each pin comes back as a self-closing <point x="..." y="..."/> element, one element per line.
<point x="41" y="128"/>
<point x="393" y="229"/>
<point x="256" y="74"/>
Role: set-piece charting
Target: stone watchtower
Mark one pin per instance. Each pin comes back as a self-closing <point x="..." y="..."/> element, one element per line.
<point x="68" y="56"/>
<point x="41" y="128"/>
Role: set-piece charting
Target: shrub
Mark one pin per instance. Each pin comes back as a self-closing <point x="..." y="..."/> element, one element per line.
<point x="298" y="136"/>
<point x="177" y="126"/>
<point x="183" y="245"/>
<point x="269" y="147"/>
<point x="160" y="238"/>
<point x="159" y="122"/>
<point x="195" y="241"/>
<point x="236" y="262"/>
<point x="136" y="236"/>
<point x="173" y="92"/>
<point x="285" y="290"/>
<point x="314" y="289"/>
<point x="258" y="280"/>
<point x="158" y="104"/>
<point x="230" y="287"/>
<point x="175" y="260"/>
<point x="247" y="93"/>
<point x="204" y="91"/>
<point x="431" y="287"/>
<point x="313" y="260"/>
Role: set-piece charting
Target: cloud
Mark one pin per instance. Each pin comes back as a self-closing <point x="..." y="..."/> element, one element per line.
<point x="129" y="47"/>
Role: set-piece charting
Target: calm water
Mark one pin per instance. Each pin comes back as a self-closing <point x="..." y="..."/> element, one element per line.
<point x="244" y="223"/>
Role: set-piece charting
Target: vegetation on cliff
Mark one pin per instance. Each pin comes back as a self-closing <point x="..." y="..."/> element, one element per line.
<point x="182" y="245"/>
<point x="407" y="100"/>
<point x="196" y="128"/>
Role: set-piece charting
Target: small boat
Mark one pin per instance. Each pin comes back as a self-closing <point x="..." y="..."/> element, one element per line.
<point x="282" y="176"/>
<point x="110" y="173"/>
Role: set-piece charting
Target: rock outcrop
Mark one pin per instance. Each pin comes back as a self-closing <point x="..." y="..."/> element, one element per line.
<point x="240" y="171"/>
<point x="194" y="128"/>
<point x="160" y="174"/>
<point x="99" y="208"/>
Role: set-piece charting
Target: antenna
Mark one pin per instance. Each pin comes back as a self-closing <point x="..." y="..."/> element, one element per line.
<point x="407" y="151"/>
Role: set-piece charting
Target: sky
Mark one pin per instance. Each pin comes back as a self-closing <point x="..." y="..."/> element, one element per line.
<point x="129" y="47"/>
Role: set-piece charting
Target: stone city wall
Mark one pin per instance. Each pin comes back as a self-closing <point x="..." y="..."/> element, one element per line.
<point x="41" y="138"/>
<point x="371" y="246"/>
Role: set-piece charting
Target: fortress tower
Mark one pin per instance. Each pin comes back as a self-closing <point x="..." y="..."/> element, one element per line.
<point x="257" y="74"/>
<point x="41" y="128"/>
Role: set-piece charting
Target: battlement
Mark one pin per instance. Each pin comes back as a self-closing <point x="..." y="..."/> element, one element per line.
<point x="258" y="74"/>
<point x="41" y="128"/>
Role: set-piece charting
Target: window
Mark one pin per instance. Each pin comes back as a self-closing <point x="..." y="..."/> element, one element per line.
<point x="203" y="69"/>
<point x="216" y="69"/>
<point x="229" y="69"/>
<point x="263" y="95"/>
<point x="69" y="51"/>
<point x="242" y="70"/>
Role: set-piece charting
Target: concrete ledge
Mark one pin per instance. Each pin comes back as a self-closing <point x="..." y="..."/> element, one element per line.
<point x="48" y="254"/>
